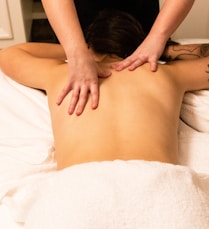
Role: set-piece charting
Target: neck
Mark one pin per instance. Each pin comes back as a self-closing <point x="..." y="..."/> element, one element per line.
<point x="107" y="60"/>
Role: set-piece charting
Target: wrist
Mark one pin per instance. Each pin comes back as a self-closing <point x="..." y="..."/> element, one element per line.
<point x="77" y="51"/>
<point x="158" y="37"/>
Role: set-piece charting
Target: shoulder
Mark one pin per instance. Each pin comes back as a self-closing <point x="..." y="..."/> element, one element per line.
<point x="57" y="75"/>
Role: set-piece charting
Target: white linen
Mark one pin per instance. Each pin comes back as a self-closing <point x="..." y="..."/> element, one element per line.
<point x="122" y="194"/>
<point x="194" y="131"/>
<point x="195" y="110"/>
<point x="193" y="148"/>
<point x="26" y="141"/>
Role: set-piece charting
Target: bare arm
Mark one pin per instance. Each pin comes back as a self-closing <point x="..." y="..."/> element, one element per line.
<point x="185" y="52"/>
<point x="83" y="71"/>
<point x="63" y="17"/>
<point x="33" y="64"/>
<point x="170" y="17"/>
<point x="192" y="66"/>
<point x="192" y="74"/>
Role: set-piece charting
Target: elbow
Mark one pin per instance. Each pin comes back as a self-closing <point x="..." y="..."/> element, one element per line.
<point x="6" y="58"/>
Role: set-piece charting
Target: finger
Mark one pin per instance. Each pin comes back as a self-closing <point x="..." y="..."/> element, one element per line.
<point x="82" y="100"/>
<point x="63" y="94"/>
<point x="74" y="100"/>
<point x="137" y="63"/>
<point x="94" y="96"/>
<point x="123" y="64"/>
<point x="153" y="66"/>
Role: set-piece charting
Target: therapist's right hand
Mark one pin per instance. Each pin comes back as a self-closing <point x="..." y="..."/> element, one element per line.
<point x="82" y="81"/>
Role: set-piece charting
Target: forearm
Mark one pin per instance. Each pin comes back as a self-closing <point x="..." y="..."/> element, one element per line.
<point x="185" y="52"/>
<point x="64" y="20"/>
<point x="31" y="64"/>
<point x="170" y="17"/>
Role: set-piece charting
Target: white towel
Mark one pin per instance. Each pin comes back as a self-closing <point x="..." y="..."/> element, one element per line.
<point x="122" y="194"/>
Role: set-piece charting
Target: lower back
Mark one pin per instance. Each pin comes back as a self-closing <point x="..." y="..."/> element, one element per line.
<point x="133" y="121"/>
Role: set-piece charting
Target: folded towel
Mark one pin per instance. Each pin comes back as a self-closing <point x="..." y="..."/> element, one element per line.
<point x="121" y="194"/>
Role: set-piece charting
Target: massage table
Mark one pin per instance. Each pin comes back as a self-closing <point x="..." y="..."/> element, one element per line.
<point x="27" y="151"/>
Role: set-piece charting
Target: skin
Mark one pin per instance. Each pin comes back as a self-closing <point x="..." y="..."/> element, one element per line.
<point x="170" y="17"/>
<point x="142" y="123"/>
<point x="83" y="71"/>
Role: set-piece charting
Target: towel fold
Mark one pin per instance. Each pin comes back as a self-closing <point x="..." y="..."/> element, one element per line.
<point x="122" y="194"/>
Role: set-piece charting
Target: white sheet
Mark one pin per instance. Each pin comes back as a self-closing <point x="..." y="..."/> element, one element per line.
<point x="194" y="114"/>
<point x="26" y="141"/>
<point x="194" y="131"/>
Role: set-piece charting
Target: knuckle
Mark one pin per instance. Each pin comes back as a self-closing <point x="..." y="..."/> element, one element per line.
<point x="75" y="96"/>
<point x="83" y="96"/>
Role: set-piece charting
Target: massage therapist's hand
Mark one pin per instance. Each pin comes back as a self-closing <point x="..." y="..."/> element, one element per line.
<point x="83" y="79"/>
<point x="149" y="51"/>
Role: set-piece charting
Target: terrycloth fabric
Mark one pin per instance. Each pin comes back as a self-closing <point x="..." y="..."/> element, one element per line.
<point x="20" y="196"/>
<point x="122" y="194"/>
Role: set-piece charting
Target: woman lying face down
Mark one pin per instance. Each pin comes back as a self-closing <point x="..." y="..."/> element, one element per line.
<point x="138" y="113"/>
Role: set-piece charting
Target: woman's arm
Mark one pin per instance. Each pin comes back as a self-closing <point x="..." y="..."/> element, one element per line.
<point x="32" y="64"/>
<point x="83" y="71"/>
<point x="192" y="73"/>
<point x="172" y="13"/>
<point x="170" y="17"/>
<point x="185" y="52"/>
<point x="64" y="20"/>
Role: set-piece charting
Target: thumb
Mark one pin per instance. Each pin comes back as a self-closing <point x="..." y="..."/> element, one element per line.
<point x="153" y="65"/>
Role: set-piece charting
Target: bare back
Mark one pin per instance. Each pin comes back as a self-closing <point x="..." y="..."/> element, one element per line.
<point x="137" y="118"/>
<point x="138" y="112"/>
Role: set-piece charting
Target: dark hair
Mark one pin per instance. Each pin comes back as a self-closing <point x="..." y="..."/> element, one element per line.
<point x="114" y="32"/>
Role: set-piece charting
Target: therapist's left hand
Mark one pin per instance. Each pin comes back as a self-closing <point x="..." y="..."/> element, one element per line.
<point x="148" y="52"/>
